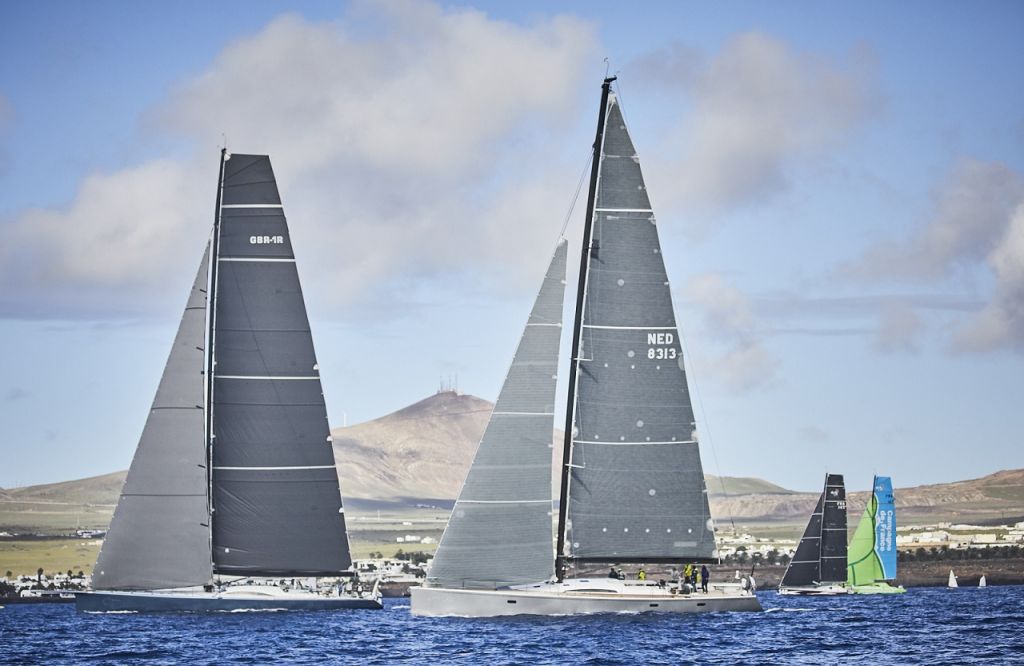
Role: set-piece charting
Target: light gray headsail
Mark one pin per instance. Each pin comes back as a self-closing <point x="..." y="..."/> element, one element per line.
<point x="276" y="500"/>
<point x="160" y="537"/>
<point x="499" y="532"/>
<point x="636" y="490"/>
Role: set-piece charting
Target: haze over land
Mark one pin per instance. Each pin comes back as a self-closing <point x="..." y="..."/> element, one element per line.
<point x="420" y="455"/>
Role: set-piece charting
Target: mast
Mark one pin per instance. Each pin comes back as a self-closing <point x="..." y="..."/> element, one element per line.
<point x="211" y="310"/>
<point x="563" y="501"/>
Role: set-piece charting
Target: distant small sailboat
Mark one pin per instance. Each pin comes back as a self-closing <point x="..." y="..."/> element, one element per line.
<point x="982" y="582"/>
<point x="952" y="580"/>
<point x="872" y="552"/>
<point x="818" y="567"/>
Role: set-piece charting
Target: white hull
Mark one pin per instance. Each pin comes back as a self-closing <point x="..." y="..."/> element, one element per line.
<point x="813" y="590"/>
<point x="578" y="597"/>
<point x="230" y="599"/>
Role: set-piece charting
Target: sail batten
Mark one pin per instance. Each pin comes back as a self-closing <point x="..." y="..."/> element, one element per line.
<point x="821" y="555"/>
<point x="499" y="532"/>
<point x="159" y="536"/>
<point x="633" y="495"/>
<point x="276" y="497"/>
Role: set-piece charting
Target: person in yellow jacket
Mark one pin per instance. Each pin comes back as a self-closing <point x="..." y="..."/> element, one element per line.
<point x="641" y="575"/>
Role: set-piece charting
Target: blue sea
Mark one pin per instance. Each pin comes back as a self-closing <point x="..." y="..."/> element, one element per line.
<point x="924" y="626"/>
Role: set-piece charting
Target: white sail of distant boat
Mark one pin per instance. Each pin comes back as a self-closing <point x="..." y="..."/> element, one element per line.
<point x="952" y="580"/>
<point x="234" y="478"/>
<point x="982" y="582"/>
<point x="632" y="487"/>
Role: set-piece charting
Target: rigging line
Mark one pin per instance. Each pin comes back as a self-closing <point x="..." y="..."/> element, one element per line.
<point x="707" y="424"/>
<point x="576" y="196"/>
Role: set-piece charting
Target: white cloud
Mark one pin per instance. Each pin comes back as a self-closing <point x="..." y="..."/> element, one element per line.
<point x="898" y="330"/>
<point x="401" y="150"/>
<point x="1001" y="323"/>
<point x="760" y="110"/>
<point x="970" y="213"/>
<point x="746" y="366"/>
<point x="744" y="363"/>
<point x="726" y="309"/>
<point x="974" y="226"/>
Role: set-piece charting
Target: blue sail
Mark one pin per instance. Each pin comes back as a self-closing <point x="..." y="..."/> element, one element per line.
<point x="885" y="526"/>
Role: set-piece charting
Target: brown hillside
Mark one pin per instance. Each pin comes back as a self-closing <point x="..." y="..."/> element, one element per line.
<point x="421" y="451"/>
<point x="424" y="451"/>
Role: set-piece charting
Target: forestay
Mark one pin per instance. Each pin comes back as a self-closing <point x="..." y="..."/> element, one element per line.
<point x="159" y="536"/>
<point x="499" y="532"/>
<point x="636" y="489"/>
<point x="276" y="499"/>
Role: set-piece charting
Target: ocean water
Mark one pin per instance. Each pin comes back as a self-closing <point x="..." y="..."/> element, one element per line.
<point x="924" y="626"/>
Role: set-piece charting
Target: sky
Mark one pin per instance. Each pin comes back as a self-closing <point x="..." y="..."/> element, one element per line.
<point x="839" y="190"/>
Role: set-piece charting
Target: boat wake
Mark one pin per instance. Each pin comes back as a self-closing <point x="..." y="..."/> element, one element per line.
<point x="791" y="610"/>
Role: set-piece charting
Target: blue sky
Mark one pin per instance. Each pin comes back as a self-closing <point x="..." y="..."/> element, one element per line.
<point x="839" y="193"/>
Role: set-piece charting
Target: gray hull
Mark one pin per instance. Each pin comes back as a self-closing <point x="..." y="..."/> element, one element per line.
<point x="141" y="602"/>
<point x="429" y="601"/>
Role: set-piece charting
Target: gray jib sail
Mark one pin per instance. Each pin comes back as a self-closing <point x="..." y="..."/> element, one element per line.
<point x="636" y="489"/>
<point x="499" y="532"/>
<point x="820" y="556"/>
<point x="159" y="537"/>
<point x="276" y="499"/>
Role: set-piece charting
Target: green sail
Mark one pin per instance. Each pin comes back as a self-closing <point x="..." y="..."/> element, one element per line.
<point x="864" y="567"/>
<point x="871" y="562"/>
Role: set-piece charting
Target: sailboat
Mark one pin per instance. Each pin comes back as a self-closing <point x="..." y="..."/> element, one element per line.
<point x="872" y="553"/>
<point x="232" y="500"/>
<point x="818" y="567"/>
<point x="631" y="484"/>
<point x="951" y="583"/>
<point x="982" y="582"/>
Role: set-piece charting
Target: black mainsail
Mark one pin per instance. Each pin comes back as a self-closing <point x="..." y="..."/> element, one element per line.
<point x="276" y="500"/>
<point x="632" y="488"/>
<point x="241" y="390"/>
<point x="499" y="532"/>
<point x="632" y="482"/>
<point x="820" y="557"/>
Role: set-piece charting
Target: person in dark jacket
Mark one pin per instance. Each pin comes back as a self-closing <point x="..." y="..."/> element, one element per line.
<point x="705" y="575"/>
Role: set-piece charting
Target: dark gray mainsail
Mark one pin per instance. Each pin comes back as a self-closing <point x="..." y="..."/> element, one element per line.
<point x="159" y="536"/>
<point x="499" y="532"/>
<point x="636" y="487"/>
<point x="820" y="556"/>
<point x="276" y="501"/>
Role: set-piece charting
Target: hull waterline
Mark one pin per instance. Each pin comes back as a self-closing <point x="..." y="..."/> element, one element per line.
<point x="814" y="590"/>
<point x="203" y="602"/>
<point x="878" y="588"/>
<point x="575" y="599"/>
